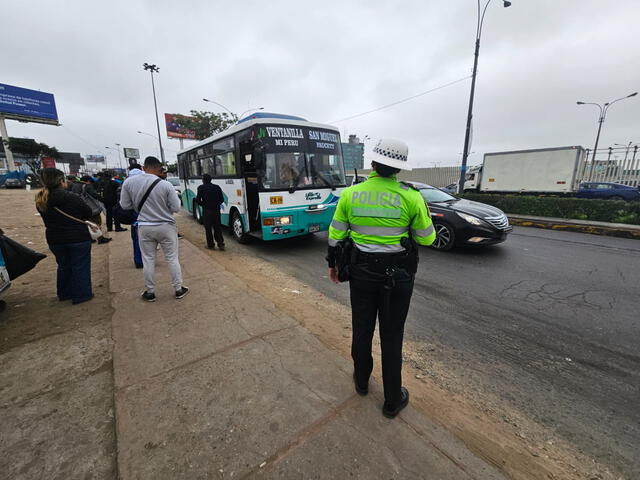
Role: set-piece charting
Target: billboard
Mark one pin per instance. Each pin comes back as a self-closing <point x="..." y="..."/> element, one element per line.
<point x="131" y="153"/>
<point x="95" y="158"/>
<point x="26" y="105"/>
<point x="174" y="126"/>
<point x="48" y="162"/>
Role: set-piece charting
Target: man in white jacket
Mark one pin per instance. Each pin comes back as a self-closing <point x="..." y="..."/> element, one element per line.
<point x="156" y="225"/>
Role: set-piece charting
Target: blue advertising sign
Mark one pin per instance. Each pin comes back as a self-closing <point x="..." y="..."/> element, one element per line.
<point x="27" y="105"/>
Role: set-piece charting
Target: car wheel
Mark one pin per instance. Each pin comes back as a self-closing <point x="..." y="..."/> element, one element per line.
<point x="238" y="229"/>
<point x="445" y="236"/>
<point x="197" y="214"/>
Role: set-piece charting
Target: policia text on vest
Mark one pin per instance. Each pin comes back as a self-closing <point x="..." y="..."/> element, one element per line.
<point x="385" y="219"/>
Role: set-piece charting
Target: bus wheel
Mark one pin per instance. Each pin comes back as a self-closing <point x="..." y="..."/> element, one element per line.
<point x="196" y="212"/>
<point x="237" y="228"/>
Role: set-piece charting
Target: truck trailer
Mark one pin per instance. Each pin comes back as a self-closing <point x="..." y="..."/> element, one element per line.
<point x="546" y="170"/>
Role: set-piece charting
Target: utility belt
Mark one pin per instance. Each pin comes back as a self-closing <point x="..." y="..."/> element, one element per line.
<point x="382" y="262"/>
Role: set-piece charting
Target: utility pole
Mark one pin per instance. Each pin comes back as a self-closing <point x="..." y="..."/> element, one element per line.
<point x="155" y="69"/>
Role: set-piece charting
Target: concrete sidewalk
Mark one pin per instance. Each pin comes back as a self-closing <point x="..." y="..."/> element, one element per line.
<point x="623" y="230"/>
<point x="222" y="384"/>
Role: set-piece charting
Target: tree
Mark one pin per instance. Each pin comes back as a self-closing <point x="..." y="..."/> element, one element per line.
<point x="32" y="150"/>
<point x="205" y="124"/>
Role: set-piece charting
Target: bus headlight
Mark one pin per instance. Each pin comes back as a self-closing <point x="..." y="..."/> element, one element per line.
<point x="277" y="221"/>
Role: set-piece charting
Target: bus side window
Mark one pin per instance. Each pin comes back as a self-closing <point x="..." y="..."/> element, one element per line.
<point x="225" y="158"/>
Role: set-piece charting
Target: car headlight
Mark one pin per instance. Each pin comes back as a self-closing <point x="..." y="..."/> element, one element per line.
<point x="471" y="219"/>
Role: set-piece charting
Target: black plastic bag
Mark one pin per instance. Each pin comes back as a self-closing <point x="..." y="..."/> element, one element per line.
<point x="18" y="258"/>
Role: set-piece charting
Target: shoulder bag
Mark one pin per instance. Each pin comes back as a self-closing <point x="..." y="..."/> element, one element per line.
<point x="94" y="230"/>
<point x="129" y="217"/>
<point x="96" y="206"/>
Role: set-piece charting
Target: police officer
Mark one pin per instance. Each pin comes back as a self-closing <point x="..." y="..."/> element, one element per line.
<point x="385" y="219"/>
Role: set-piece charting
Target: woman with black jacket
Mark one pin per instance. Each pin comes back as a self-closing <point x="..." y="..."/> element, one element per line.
<point x="68" y="239"/>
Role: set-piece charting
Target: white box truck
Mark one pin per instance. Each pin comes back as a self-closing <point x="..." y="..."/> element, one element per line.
<point x="544" y="170"/>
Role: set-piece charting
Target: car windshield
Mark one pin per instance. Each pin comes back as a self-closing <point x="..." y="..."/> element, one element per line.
<point x="300" y="170"/>
<point x="174" y="181"/>
<point x="433" y="195"/>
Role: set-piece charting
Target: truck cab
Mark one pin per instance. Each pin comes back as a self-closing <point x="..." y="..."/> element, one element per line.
<point x="472" y="178"/>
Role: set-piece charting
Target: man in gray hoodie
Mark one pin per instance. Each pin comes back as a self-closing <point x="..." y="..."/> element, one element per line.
<point x="156" y="225"/>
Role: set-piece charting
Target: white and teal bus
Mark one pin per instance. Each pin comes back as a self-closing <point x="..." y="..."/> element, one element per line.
<point x="281" y="176"/>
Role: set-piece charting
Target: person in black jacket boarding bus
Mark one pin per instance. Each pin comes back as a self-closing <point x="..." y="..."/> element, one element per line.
<point x="68" y="238"/>
<point x="156" y="225"/>
<point x="210" y="198"/>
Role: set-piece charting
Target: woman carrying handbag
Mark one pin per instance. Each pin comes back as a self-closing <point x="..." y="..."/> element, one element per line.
<point x="65" y="217"/>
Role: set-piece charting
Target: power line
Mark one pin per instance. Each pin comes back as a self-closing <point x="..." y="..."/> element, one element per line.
<point x="67" y="129"/>
<point x="402" y="100"/>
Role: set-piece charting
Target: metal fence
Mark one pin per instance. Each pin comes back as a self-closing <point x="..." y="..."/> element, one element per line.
<point x="436" y="176"/>
<point x="617" y="165"/>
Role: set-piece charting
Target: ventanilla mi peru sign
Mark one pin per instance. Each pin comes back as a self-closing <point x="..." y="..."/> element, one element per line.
<point x="313" y="140"/>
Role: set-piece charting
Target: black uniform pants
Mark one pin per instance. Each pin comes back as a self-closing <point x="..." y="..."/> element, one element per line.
<point x="211" y="220"/>
<point x="110" y="218"/>
<point x="369" y="300"/>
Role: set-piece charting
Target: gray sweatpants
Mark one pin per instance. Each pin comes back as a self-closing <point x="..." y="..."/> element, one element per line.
<point x="166" y="235"/>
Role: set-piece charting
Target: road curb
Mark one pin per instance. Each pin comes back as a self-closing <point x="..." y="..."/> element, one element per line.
<point x="596" y="228"/>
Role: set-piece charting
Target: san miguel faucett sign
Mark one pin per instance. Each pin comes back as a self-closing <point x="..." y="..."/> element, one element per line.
<point x="297" y="139"/>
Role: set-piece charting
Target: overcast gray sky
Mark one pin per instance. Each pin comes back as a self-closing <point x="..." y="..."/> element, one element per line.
<point x="326" y="61"/>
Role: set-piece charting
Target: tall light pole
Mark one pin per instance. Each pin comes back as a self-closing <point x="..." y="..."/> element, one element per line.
<point x="603" y="113"/>
<point x="154" y="69"/>
<point x="467" y="133"/>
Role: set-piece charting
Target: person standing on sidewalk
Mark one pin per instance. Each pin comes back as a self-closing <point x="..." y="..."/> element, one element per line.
<point x="134" y="170"/>
<point x="384" y="219"/>
<point x="210" y="197"/>
<point x="156" y="225"/>
<point x="109" y="188"/>
<point x="63" y="213"/>
<point x="85" y="187"/>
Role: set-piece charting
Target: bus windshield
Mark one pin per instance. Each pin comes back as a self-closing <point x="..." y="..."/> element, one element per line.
<point x="299" y="157"/>
<point x="302" y="170"/>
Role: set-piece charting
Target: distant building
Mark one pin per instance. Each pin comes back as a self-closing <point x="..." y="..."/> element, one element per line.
<point x="353" y="153"/>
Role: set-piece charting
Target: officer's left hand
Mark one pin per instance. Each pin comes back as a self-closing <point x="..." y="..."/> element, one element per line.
<point x="333" y="275"/>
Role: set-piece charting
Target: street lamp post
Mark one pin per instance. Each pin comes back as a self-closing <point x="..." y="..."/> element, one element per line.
<point x="467" y="133"/>
<point x="603" y="113"/>
<point x="154" y="69"/>
<point x="148" y="134"/>
<point x="118" y="150"/>
<point x="219" y="104"/>
<point x="250" y="110"/>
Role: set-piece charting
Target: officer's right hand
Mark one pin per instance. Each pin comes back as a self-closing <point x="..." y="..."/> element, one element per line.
<point x="333" y="275"/>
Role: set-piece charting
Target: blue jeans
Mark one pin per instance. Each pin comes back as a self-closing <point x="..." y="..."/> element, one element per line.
<point x="74" y="271"/>
<point x="137" y="255"/>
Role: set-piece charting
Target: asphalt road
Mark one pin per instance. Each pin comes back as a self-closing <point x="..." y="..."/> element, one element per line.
<point x="547" y="323"/>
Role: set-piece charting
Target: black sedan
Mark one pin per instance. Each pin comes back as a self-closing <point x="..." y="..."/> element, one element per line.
<point x="463" y="222"/>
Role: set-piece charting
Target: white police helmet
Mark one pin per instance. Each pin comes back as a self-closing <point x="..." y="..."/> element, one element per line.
<point x="392" y="153"/>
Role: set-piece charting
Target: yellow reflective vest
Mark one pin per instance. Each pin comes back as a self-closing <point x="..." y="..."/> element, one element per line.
<point x="378" y="213"/>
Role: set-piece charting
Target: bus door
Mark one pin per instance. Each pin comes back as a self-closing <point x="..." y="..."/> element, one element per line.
<point x="250" y="174"/>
